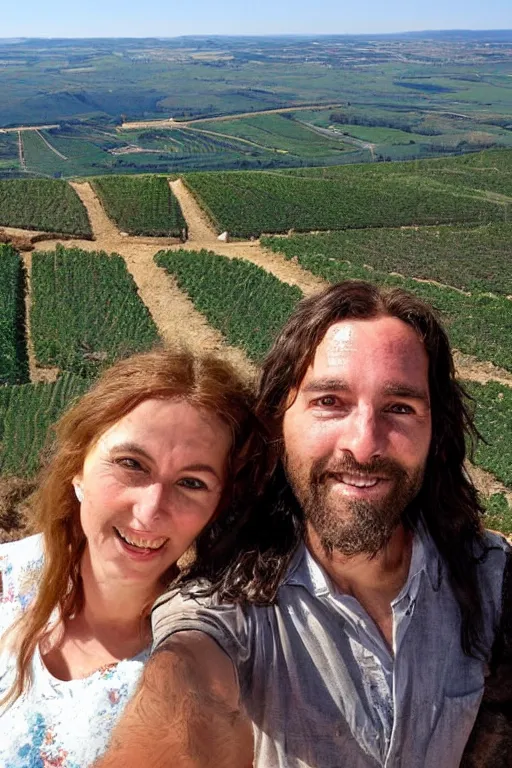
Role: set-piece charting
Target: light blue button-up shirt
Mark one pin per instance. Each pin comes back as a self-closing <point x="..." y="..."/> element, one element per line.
<point x="319" y="682"/>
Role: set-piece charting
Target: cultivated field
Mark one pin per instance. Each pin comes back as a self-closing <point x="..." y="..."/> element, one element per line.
<point x="49" y="205"/>
<point x="91" y="302"/>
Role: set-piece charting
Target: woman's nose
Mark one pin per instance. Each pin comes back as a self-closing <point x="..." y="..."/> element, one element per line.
<point x="149" y="504"/>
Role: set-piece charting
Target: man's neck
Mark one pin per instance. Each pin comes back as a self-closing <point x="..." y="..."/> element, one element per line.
<point x="373" y="581"/>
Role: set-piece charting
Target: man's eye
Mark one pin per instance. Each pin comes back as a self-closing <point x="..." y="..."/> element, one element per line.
<point x="327" y="401"/>
<point x="192" y="483"/>
<point x="400" y="408"/>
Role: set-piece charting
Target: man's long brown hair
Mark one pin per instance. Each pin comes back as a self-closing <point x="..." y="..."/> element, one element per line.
<point x="205" y="381"/>
<point x="448" y="501"/>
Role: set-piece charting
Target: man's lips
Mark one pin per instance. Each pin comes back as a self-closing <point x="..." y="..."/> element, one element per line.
<point x="356" y="479"/>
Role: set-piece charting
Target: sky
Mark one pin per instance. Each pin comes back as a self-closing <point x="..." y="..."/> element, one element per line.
<point x="170" y="18"/>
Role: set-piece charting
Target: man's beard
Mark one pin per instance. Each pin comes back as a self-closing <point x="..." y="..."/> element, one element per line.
<point x="357" y="526"/>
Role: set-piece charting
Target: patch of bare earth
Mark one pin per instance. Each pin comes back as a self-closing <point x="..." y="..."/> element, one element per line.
<point x="15" y="518"/>
<point x="487" y="483"/>
<point x="468" y="367"/>
<point x="200" y="229"/>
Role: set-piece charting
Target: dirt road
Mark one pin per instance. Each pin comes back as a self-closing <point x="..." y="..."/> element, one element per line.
<point x="171" y="123"/>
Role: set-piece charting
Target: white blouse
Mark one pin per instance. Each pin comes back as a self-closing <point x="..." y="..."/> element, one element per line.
<point x="55" y="723"/>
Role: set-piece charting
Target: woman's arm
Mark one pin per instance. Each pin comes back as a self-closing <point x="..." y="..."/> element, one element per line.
<point x="186" y="712"/>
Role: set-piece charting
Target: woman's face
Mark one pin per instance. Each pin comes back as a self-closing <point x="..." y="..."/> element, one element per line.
<point x="150" y="485"/>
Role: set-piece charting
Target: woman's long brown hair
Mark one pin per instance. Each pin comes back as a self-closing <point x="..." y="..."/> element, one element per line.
<point x="205" y="381"/>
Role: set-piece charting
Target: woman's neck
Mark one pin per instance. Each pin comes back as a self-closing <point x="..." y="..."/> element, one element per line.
<point x="113" y="602"/>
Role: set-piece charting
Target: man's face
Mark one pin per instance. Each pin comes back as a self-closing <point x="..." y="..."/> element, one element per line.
<point x="358" y="432"/>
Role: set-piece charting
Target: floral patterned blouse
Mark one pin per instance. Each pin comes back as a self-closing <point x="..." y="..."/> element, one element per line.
<point x="55" y="723"/>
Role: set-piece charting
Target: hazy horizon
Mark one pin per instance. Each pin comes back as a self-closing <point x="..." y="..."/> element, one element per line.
<point x="158" y="19"/>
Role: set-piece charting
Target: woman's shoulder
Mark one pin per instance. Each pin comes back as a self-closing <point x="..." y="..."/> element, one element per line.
<point x="20" y="565"/>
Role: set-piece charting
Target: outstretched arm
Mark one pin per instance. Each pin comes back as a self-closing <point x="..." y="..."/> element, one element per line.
<point x="186" y="712"/>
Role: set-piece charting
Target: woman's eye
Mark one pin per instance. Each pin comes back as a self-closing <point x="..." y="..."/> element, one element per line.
<point x="192" y="483"/>
<point x="128" y="463"/>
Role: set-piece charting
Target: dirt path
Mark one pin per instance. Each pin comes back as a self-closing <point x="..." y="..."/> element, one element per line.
<point x="285" y="270"/>
<point x="36" y="372"/>
<point x="200" y="229"/>
<point x="50" y="146"/>
<point x="21" y="153"/>
<point x="468" y="367"/>
<point x="487" y="483"/>
<point x="171" y="123"/>
<point x="103" y="228"/>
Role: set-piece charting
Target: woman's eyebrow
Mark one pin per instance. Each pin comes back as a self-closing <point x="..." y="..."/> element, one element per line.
<point x="130" y="448"/>
<point x="201" y="468"/>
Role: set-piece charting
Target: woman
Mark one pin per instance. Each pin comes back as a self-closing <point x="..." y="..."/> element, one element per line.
<point x="142" y="464"/>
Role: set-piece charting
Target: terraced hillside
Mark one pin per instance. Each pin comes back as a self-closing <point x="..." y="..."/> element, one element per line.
<point x="88" y="306"/>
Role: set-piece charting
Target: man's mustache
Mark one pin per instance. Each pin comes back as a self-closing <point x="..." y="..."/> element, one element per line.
<point x="382" y="467"/>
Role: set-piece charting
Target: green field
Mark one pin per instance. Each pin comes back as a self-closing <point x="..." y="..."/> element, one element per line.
<point x="50" y="205"/>
<point x="27" y="413"/>
<point x="249" y="203"/>
<point x="245" y="303"/>
<point x="13" y="349"/>
<point x="86" y="311"/>
<point x="472" y="258"/>
<point x="141" y="205"/>
<point x="280" y="133"/>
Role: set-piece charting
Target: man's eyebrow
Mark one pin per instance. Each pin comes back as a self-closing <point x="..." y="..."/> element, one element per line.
<point x="326" y="385"/>
<point x="399" y="389"/>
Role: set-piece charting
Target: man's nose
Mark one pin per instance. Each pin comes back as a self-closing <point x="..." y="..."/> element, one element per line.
<point x="362" y="434"/>
<point x="150" y="503"/>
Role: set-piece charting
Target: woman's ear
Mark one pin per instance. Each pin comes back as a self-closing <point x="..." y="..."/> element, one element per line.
<point x="77" y="485"/>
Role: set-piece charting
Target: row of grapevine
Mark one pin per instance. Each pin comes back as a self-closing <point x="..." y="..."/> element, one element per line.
<point x="86" y="311"/>
<point x="49" y="205"/>
<point x="27" y="413"/>
<point x="142" y="205"/>
<point x="249" y="203"/>
<point x="494" y="422"/>
<point x="245" y="303"/>
<point x="478" y="324"/>
<point x="13" y="350"/>
<point x="464" y="256"/>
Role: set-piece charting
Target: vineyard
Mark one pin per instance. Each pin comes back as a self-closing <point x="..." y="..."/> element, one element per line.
<point x="478" y="324"/>
<point x="472" y="258"/>
<point x="245" y="303"/>
<point x="141" y="205"/>
<point x="494" y="422"/>
<point x="249" y="203"/>
<point x="27" y="413"/>
<point x="13" y="354"/>
<point x="86" y="311"/>
<point x="445" y="223"/>
<point x="49" y="205"/>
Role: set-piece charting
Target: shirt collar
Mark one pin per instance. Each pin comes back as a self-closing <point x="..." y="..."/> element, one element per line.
<point x="304" y="571"/>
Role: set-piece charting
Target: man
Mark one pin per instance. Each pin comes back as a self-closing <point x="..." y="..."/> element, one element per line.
<point x="352" y="624"/>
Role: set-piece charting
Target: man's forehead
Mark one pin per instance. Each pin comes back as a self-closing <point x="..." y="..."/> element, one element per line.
<point x="385" y="339"/>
